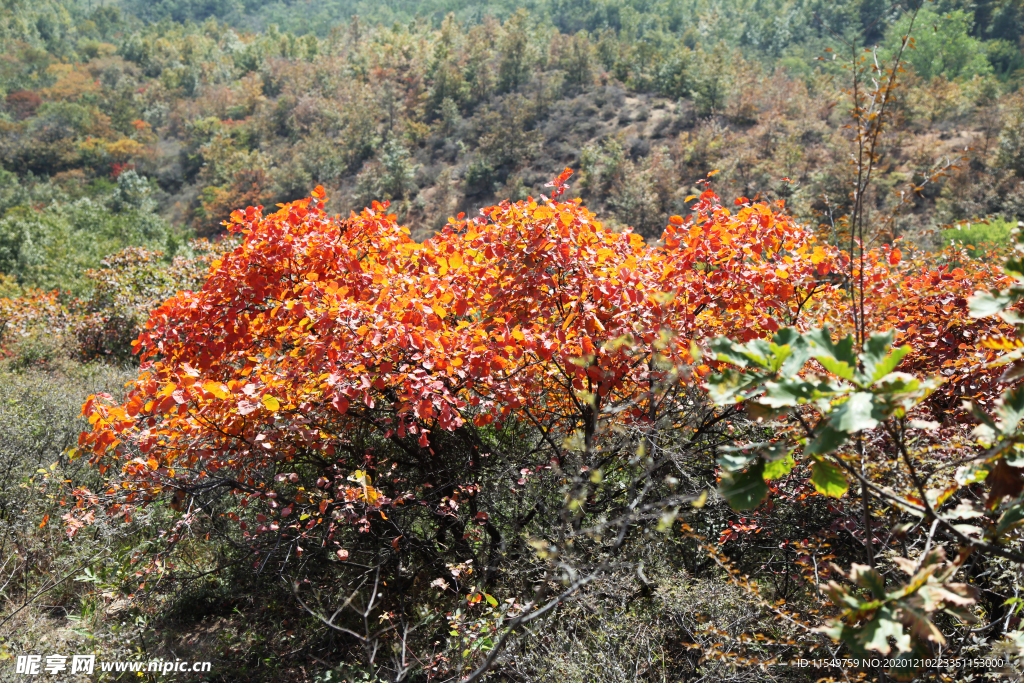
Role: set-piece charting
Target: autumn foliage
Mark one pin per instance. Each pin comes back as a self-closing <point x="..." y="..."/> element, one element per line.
<point x="318" y="326"/>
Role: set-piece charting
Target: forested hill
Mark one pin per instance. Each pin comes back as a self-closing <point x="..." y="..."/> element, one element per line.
<point x="444" y="107"/>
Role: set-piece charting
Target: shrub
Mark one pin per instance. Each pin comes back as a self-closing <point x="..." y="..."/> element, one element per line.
<point x="993" y="232"/>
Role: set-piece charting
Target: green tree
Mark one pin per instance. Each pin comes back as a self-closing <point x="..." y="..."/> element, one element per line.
<point x="942" y="45"/>
<point x="578" y="61"/>
<point x="390" y="176"/>
<point x="513" y="65"/>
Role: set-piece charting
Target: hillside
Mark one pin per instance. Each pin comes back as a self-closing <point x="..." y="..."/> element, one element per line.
<point x="447" y="117"/>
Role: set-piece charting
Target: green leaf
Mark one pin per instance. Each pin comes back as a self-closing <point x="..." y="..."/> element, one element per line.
<point x="837" y="368"/>
<point x="778" y="357"/>
<point x="876" y="347"/>
<point x="878" y="358"/>
<point x="787" y="393"/>
<point x="826" y="441"/>
<point x="828" y="479"/>
<point x="987" y="304"/>
<point x="778" y="468"/>
<point x="903" y="383"/>
<point x="839" y="359"/>
<point x="490" y="600"/>
<point x="730" y="386"/>
<point x="876" y="633"/>
<point x="890" y="362"/>
<point x="744" y="490"/>
<point x="755" y="352"/>
<point x="858" y="412"/>
<point x="866" y="577"/>
<point x="791" y="351"/>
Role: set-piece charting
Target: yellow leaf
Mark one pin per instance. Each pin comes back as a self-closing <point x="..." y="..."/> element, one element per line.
<point x="518" y="334"/>
<point x="781" y="274"/>
<point x="216" y="388"/>
<point x="1001" y="343"/>
<point x="455" y="261"/>
<point x="271" y="403"/>
<point x="569" y="319"/>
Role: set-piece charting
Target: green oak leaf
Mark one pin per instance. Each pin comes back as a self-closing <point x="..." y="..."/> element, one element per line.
<point x="744" y="490"/>
<point x="838" y="358"/>
<point x="753" y="353"/>
<point x="828" y="479"/>
<point x="875" y="634"/>
<point x="860" y="411"/>
<point x="990" y="303"/>
<point x="825" y="441"/>
<point x="775" y="469"/>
